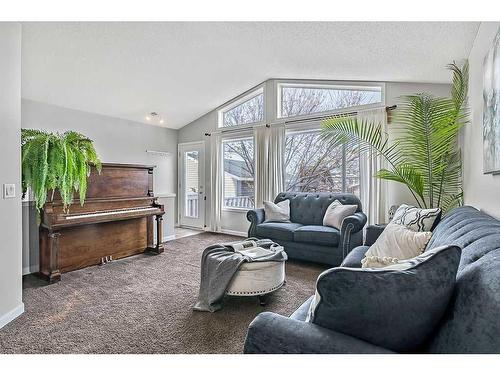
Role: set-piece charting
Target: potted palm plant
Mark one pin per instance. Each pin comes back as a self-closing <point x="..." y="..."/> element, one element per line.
<point x="54" y="161"/>
<point x="424" y="153"/>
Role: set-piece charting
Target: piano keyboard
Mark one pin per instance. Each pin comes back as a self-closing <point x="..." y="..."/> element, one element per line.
<point x="112" y="212"/>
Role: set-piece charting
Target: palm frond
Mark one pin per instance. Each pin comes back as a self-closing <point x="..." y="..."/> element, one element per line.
<point x="424" y="153"/>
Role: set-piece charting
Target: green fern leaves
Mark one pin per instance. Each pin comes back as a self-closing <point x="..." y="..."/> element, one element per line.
<point x="424" y="154"/>
<point x="53" y="161"/>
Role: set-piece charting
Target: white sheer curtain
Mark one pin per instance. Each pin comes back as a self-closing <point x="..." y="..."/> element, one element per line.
<point x="216" y="182"/>
<point x="373" y="191"/>
<point x="269" y="149"/>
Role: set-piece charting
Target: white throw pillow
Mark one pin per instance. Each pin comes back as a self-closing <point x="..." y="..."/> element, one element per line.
<point x="416" y="219"/>
<point x="277" y="212"/>
<point x="337" y="212"/>
<point x="396" y="243"/>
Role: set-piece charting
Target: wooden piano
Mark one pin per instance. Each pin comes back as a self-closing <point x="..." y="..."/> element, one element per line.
<point x="116" y="221"/>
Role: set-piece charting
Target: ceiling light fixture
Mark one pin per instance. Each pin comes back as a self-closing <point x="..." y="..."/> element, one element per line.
<point x="153" y="115"/>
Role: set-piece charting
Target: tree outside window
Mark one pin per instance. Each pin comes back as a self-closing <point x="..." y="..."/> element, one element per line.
<point x="310" y="164"/>
<point x="239" y="173"/>
<point x="304" y="100"/>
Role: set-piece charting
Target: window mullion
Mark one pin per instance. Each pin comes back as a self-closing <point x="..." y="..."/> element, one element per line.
<point x="344" y="169"/>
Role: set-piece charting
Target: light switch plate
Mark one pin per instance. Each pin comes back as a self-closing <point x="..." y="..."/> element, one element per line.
<point x="9" y="190"/>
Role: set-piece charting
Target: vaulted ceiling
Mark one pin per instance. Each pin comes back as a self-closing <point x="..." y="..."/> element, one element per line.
<point x="183" y="70"/>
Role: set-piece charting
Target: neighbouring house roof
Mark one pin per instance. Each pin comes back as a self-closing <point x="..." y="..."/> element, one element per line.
<point x="237" y="169"/>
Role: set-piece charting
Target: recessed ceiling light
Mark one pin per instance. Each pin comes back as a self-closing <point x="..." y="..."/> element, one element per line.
<point x="161" y="121"/>
<point x="148" y="118"/>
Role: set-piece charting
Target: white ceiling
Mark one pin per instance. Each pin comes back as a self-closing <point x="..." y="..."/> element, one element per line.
<point x="184" y="70"/>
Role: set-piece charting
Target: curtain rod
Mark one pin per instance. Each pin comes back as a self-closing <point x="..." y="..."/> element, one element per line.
<point x="353" y="113"/>
<point x="239" y="129"/>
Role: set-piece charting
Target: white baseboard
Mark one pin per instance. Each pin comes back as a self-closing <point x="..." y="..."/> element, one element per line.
<point x="11" y="315"/>
<point x="168" y="238"/>
<point x="234" y="233"/>
<point x="30" y="269"/>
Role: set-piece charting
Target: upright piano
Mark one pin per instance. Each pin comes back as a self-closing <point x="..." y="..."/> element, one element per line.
<point x="117" y="220"/>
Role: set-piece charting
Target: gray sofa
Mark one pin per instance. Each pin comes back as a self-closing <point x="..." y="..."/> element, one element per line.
<point x="470" y="325"/>
<point x="305" y="238"/>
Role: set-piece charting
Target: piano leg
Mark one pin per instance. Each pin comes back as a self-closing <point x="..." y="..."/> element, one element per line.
<point x="158" y="247"/>
<point x="54" y="274"/>
<point x="159" y="234"/>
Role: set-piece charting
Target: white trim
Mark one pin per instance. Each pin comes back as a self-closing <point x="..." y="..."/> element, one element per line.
<point x="194" y="143"/>
<point x="237" y="209"/>
<point x="166" y="195"/>
<point x="11" y="315"/>
<point x="168" y="238"/>
<point x="233" y="233"/>
<point x="31" y="269"/>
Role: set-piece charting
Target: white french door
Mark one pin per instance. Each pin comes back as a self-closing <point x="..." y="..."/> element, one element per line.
<point x="191" y="159"/>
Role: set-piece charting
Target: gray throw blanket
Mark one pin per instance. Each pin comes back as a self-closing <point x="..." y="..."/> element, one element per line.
<point x="219" y="264"/>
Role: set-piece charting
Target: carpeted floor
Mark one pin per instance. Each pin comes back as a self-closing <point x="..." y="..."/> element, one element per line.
<point x="143" y="304"/>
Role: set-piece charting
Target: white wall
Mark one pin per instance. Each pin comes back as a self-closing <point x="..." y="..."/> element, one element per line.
<point x="116" y="141"/>
<point x="10" y="145"/>
<point x="398" y="193"/>
<point x="480" y="190"/>
<point x="236" y="221"/>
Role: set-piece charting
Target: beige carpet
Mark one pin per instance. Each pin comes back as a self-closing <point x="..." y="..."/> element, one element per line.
<point x="143" y="304"/>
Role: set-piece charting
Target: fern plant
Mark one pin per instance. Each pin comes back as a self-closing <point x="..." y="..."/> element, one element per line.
<point x="54" y="161"/>
<point x="424" y="154"/>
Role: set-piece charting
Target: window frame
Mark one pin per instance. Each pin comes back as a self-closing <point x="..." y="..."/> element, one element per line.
<point x="279" y="84"/>
<point x="244" y="135"/>
<point x="240" y="99"/>
<point x="307" y="129"/>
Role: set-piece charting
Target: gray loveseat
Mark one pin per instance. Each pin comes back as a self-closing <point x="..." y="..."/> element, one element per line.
<point x="305" y="237"/>
<point x="470" y="325"/>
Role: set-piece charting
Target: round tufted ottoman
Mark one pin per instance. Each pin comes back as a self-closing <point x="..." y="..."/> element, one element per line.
<point x="257" y="279"/>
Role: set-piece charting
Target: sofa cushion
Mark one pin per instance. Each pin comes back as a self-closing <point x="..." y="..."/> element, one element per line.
<point x="310" y="208"/>
<point x="471" y="324"/>
<point x="353" y="259"/>
<point x="317" y="234"/>
<point x="277" y="231"/>
<point x="397" y="307"/>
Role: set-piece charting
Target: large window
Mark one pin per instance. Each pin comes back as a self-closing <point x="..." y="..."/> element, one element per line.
<point x="311" y="165"/>
<point x="247" y="110"/>
<point x="304" y="99"/>
<point x="239" y="173"/>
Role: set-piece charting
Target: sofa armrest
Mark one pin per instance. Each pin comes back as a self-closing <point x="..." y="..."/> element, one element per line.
<point x="276" y="334"/>
<point x="351" y="232"/>
<point x="373" y="232"/>
<point x="255" y="217"/>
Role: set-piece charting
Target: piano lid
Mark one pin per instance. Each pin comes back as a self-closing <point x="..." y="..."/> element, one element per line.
<point x="117" y="181"/>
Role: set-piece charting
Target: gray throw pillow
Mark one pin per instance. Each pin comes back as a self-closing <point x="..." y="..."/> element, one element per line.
<point x="396" y="307"/>
<point x="277" y="212"/>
